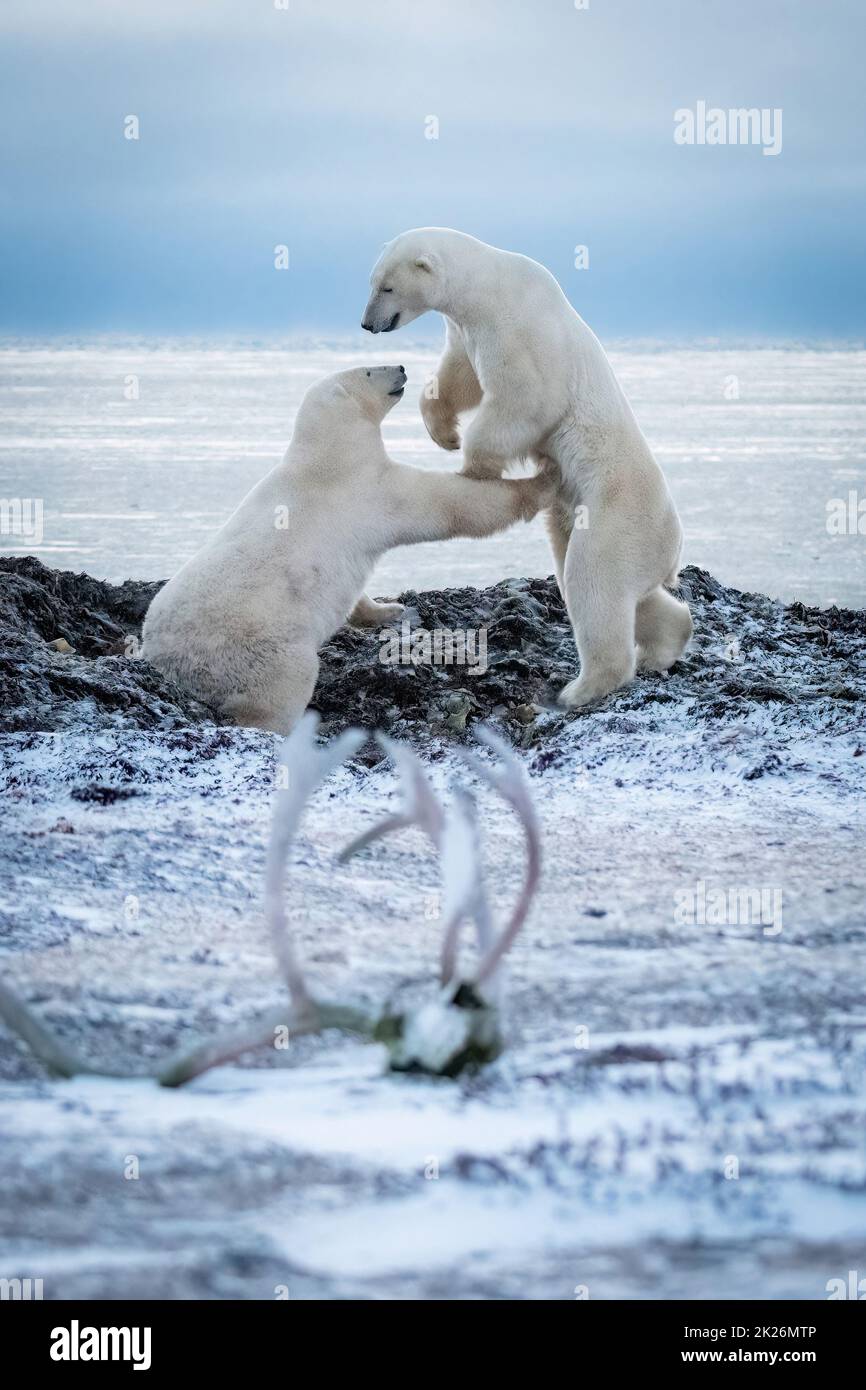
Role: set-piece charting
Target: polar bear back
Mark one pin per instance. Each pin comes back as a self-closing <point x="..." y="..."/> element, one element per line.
<point x="289" y="563"/>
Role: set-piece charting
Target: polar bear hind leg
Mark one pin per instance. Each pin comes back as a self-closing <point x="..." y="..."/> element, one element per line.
<point x="368" y="613"/>
<point x="601" y="605"/>
<point x="560" y="524"/>
<point x="278" y="696"/>
<point x="662" y="628"/>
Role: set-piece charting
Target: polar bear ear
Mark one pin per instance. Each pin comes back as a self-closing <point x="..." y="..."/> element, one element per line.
<point x="427" y="262"/>
<point x="336" y="392"/>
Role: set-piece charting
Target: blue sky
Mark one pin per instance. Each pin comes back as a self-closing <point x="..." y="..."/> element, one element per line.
<point x="305" y="127"/>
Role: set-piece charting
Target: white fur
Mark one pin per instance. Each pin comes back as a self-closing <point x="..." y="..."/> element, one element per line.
<point x="240" y="625"/>
<point x="544" y="390"/>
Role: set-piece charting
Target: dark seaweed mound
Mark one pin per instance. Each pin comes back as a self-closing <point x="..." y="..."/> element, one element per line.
<point x="747" y="650"/>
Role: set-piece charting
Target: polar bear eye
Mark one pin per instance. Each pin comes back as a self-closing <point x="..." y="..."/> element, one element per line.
<point x="384" y="291"/>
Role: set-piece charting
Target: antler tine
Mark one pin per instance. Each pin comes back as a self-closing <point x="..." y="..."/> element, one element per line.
<point x="459" y="849"/>
<point x="19" y="1019"/>
<point x="376" y="832"/>
<point x="511" y="783"/>
<point x="420" y="804"/>
<point x="307" y="765"/>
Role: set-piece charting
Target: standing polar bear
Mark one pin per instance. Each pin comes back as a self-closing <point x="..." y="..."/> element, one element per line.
<point x="241" y="623"/>
<point x="516" y="349"/>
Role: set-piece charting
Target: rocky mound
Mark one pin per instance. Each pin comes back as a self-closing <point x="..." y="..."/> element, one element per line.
<point x="68" y="659"/>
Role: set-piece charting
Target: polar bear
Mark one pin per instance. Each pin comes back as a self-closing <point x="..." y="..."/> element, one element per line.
<point x="544" y="390"/>
<point x="241" y="623"/>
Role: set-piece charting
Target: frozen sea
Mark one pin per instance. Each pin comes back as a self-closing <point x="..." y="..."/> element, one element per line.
<point x="139" y="450"/>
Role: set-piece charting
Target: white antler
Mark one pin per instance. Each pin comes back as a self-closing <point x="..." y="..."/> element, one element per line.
<point x="463" y="893"/>
<point x="307" y="764"/>
<point x="463" y="885"/>
<point x="458" y="1028"/>
<point x="457" y="838"/>
<point x="420" y="805"/>
<point x="59" y="1060"/>
<point x="511" y="782"/>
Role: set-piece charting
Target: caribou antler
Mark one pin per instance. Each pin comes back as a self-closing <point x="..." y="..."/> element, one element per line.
<point x="420" y="806"/>
<point x="443" y="1036"/>
<point x="18" y="1018"/>
<point x="511" y="783"/>
<point x="459" y="1028"/>
<point x="307" y="765"/>
<point x="456" y="836"/>
<point x="464" y="893"/>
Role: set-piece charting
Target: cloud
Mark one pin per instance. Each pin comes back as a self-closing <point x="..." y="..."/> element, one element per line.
<point x="307" y="125"/>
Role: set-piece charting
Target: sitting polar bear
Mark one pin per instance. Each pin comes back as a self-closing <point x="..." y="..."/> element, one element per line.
<point x="516" y="349"/>
<point x="240" y="625"/>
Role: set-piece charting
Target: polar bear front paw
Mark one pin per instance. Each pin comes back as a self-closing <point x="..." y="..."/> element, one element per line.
<point x="482" y="466"/>
<point x="535" y="494"/>
<point x="441" y="428"/>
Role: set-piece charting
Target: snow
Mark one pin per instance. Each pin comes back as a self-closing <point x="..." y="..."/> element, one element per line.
<point x="643" y="1054"/>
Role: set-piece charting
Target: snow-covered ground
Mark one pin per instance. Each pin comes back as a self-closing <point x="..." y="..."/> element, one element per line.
<point x="681" y="1111"/>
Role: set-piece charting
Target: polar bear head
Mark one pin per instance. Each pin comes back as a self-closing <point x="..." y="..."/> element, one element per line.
<point x="408" y="279"/>
<point x="360" y="392"/>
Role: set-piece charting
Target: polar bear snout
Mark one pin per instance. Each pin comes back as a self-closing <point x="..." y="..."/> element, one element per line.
<point x="400" y="380"/>
<point x="376" y="320"/>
